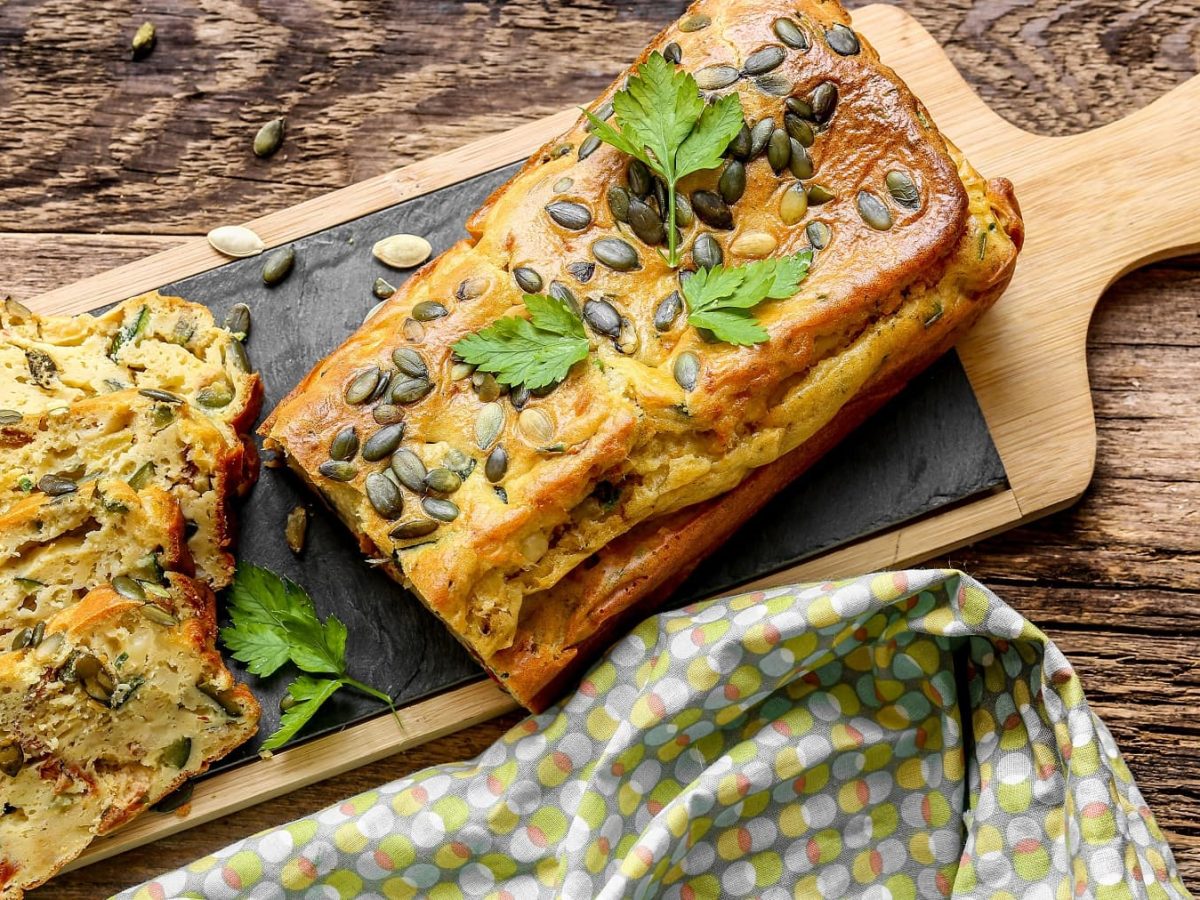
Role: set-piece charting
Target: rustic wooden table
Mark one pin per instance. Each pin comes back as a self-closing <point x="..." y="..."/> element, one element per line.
<point x="103" y="160"/>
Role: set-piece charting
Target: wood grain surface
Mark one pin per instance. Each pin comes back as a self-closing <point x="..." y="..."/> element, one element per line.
<point x="104" y="160"/>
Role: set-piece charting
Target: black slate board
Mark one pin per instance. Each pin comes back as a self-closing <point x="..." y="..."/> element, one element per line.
<point x="928" y="449"/>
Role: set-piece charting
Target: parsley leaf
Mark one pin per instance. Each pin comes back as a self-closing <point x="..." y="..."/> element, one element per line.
<point x="308" y="694"/>
<point x="274" y="621"/>
<point x="720" y="299"/>
<point x="666" y="124"/>
<point x="535" y="352"/>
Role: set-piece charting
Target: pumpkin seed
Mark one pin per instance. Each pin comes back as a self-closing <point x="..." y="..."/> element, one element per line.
<point x="409" y="470"/>
<point x="501" y="493"/>
<point x="789" y="32"/>
<point x="903" y="189"/>
<point x="760" y="135"/>
<point x="779" y="150"/>
<point x="461" y="370"/>
<point x="402" y="251"/>
<point x="344" y="444"/>
<point x="362" y="386"/>
<point x="686" y="370"/>
<point x="797" y="128"/>
<point x="144" y="40"/>
<point x="673" y="53"/>
<point x="793" y="205"/>
<point x="616" y="254"/>
<point x="603" y="317"/>
<point x="440" y="509"/>
<point x="641" y="182"/>
<point x="160" y="396"/>
<point x="800" y="164"/>
<point x="753" y="245"/>
<point x="382" y="288"/>
<point x="732" y="183"/>
<point x="536" y="426"/>
<point x="128" y="588"/>
<point x="413" y="528"/>
<point x="373" y="312"/>
<point x="236" y="241"/>
<point x="668" y="311"/>
<point x="715" y="77"/>
<point x="471" y="288"/>
<point x="527" y="279"/>
<point x="142" y="476"/>
<point x="268" y="139"/>
<point x="442" y="481"/>
<point x="712" y="210"/>
<point x="237" y="321"/>
<point x="217" y="395"/>
<point x="488" y="423"/>
<point x="410" y="390"/>
<point x="56" y="486"/>
<point x="158" y="615"/>
<point x="9" y="417"/>
<point x="706" y="252"/>
<point x="842" y="40"/>
<point x="226" y="699"/>
<point x="384" y="495"/>
<point x="410" y="362"/>
<point x="572" y="216"/>
<point x="338" y="469"/>
<point x="413" y="331"/>
<point x="764" y="60"/>
<point x="495" y="467"/>
<point x="694" y="22"/>
<point x="603" y="112"/>
<point x="12" y="758"/>
<point x="776" y="84"/>
<point x="799" y="107"/>
<point x="823" y="101"/>
<point x="873" y="211"/>
<point x="588" y="147"/>
<point x="296" y="528"/>
<point x="518" y="397"/>
<point x="627" y="340"/>
<point x="618" y="202"/>
<point x="236" y="355"/>
<point x="818" y="194"/>
<point x="563" y="184"/>
<point x="383" y="442"/>
<point x="22" y="639"/>
<point x="387" y="414"/>
<point x="560" y="291"/>
<point x="818" y="234"/>
<point x="645" y="223"/>
<point x="582" y="271"/>
<point x="428" y="310"/>
<point x="176" y="754"/>
<point x="684" y="216"/>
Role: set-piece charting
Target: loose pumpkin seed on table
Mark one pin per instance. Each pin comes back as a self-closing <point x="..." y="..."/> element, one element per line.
<point x="402" y="251"/>
<point x="269" y="138"/>
<point x="144" y="40"/>
<point x="295" y="530"/>
<point x="236" y="241"/>
<point x="278" y="265"/>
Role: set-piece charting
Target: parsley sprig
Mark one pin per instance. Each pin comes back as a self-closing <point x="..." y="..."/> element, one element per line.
<point x="666" y="124"/>
<point x="275" y="622"/>
<point x="720" y="299"/>
<point x="535" y="352"/>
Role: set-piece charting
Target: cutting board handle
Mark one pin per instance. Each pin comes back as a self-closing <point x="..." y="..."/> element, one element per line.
<point x="1136" y="186"/>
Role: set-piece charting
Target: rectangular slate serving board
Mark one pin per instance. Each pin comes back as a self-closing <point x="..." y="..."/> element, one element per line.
<point x="928" y="449"/>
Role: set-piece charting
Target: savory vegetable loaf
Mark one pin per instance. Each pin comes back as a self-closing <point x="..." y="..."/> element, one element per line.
<point x="53" y="547"/>
<point x="146" y="438"/>
<point x="532" y="513"/>
<point x="116" y="704"/>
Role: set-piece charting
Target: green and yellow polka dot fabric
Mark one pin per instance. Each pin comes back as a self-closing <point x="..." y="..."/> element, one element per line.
<point x="895" y="736"/>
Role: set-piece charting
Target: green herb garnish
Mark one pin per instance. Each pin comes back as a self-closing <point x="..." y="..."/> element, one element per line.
<point x="720" y="299"/>
<point x="533" y="352"/>
<point x="275" y="622"/>
<point x="666" y="124"/>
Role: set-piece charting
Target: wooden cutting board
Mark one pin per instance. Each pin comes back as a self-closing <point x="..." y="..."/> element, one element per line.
<point x="1096" y="205"/>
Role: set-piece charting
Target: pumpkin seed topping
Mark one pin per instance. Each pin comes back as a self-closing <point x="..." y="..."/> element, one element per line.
<point x="843" y="41"/>
<point x="715" y="77"/>
<point x="56" y="485"/>
<point x="706" y="252"/>
<point x="440" y="509"/>
<point x="686" y="370"/>
<point x="527" y="279"/>
<point x="818" y="234"/>
<point x="362" y="386"/>
<point x="158" y="615"/>
<point x="410" y="390"/>
<point x="645" y="223"/>
<point x="582" y="271"/>
<point x="572" y="216"/>
<point x="668" y="311"/>
<point x="413" y="528"/>
<point x="764" y="60"/>
<point x="603" y="317"/>
<point x="617" y="254"/>
<point x="9" y="417"/>
<point x="673" y="53"/>
<point x="732" y="184"/>
<point x="819" y="194"/>
<point x="760" y="135"/>
<point x="589" y="146"/>
<point x="410" y="362"/>
<point x="695" y="22"/>
<point x="873" y="211"/>
<point x="536" y="426"/>
<point x="793" y="205"/>
<point x="823" y="101"/>
<point x="387" y="414"/>
<point x="384" y="495"/>
<point x="428" y="310"/>
<point x="779" y="150"/>
<point x="471" y="288"/>
<point x="495" y="467"/>
<point x="442" y="481"/>
<point x="338" y="470"/>
<point x="344" y="444"/>
<point x="789" y="32"/>
<point x="409" y="470"/>
<point x="712" y="210"/>
<point x="383" y="442"/>
<point x="903" y="189"/>
<point x="489" y="422"/>
<point x="128" y="588"/>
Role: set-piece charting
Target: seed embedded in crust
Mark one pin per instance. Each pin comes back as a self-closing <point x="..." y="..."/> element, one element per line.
<point x="686" y="370"/>
<point x="384" y="495"/>
<point x="572" y="216"/>
<point x="617" y="254"/>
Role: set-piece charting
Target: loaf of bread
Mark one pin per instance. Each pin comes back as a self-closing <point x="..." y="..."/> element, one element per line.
<point x="146" y="438"/>
<point x="53" y="547"/>
<point x="116" y="704"/>
<point x="534" y="524"/>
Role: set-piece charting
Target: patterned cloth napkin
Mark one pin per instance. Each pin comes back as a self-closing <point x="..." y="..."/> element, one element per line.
<point x="900" y="735"/>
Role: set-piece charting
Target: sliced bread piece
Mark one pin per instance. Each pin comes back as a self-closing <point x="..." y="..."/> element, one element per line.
<point x="53" y="549"/>
<point x="141" y="437"/>
<point x="117" y="705"/>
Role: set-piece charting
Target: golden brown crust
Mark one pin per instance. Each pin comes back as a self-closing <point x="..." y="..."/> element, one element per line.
<point x="500" y="575"/>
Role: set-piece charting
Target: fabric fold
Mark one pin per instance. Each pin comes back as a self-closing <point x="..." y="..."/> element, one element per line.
<point x="899" y="735"/>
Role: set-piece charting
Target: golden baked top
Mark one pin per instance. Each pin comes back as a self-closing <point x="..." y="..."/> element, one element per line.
<point x="481" y="497"/>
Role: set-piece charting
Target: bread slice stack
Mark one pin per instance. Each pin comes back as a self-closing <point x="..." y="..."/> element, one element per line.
<point x="122" y="444"/>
